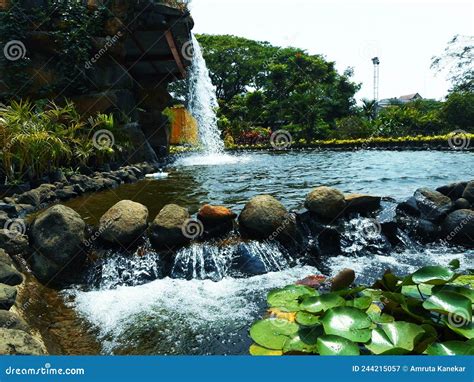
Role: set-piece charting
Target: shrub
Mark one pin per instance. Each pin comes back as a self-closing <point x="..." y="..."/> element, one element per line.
<point x="458" y="110"/>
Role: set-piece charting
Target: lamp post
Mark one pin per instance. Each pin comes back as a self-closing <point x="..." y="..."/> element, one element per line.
<point x="376" y="63"/>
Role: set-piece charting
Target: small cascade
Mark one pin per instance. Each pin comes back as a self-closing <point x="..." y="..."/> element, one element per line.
<point x="364" y="235"/>
<point x="202" y="102"/>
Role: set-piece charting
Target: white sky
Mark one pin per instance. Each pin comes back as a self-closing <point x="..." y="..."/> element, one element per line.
<point x="404" y="34"/>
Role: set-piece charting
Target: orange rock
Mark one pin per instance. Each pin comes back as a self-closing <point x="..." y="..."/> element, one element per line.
<point x="215" y="213"/>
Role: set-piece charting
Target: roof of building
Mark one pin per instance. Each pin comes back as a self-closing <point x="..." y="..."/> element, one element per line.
<point x="409" y="96"/>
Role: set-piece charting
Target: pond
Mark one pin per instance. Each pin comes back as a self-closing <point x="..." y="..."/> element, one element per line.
<point x="202" y="316"/>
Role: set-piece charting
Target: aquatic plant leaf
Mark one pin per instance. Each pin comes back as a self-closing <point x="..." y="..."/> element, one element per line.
<point x="277" y="313"/>
<point x="467" y="292"/>
<point x="347" y="322"/>
<point x="307" y="319"/>
<point x="450" y="348"/>
<point x="430" y="336"/>
<point x="388" y="282"/>
<point x="454" y="264"/>
<point x="395" y="338"/>
<point x="321" y="303"/>
<point x="289" y="297"/>
<point x="414" y="290"/>
<point x="460" y="327"/>
<point x="272" y="333"/>
<point x="466" y="280"/>
<point x="450" y="303"/>
<point x="259" y="350"/>
<point x="362" y="303"/>
<point x="299" y="344"/>
<point x="335" y="345"/>
<point x="377" y="316"/>
<point x="433" y="275"/>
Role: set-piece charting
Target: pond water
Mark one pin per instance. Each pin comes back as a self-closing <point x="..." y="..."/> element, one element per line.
<point x="231" y="180"/>
<point x="196" y="315"/>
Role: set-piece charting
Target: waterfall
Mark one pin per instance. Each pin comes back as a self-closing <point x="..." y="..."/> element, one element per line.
<point x="203" y="102"/>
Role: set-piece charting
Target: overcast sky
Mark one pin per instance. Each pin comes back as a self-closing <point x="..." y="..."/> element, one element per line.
<point x="404" y="34"/>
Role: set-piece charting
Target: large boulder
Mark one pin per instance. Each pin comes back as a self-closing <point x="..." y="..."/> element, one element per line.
<point x="326" y="202"/>
<point x="468" y="193"/>
<point x="13" y="341"/>
<point x="264" y="217"/>
<point x="458" y="227"/>
<point x="217" y="220"/>
<point x="57" y="238"/>
<point x="123" y="223"/>
<point x="7" y="296"/>
<point x="9" y="275"/>
<point x="362" y="203"/>
<point x="433" y="205"/>
<point x="453" y="190"/>
<point x="167" y="230"/>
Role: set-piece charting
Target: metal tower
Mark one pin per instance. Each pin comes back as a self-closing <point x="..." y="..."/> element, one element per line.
<point x="376" y="63"/>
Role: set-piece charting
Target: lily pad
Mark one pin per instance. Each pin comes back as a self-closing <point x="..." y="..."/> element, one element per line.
<point x="347" y="322"/>
<point x="467" y="280"/>
<point x="450" y="348"/>
<point x="307" y="319"/>
<point x="433" y="275"/>
<point x="335" y="345"/>
<point x="259" y="350"/>
<point x="377" y="316"/>
<point x="289" y="297"/>
<point x="361" y="303"/>
<point x="395" y="338"/>
<point x="467" y="292"/>
<point x="272" y="333"/>
<point x="321" y="303"/>
<point x="460" y="328"/>
<point x="454" y="304"/>
<point x="414" y="290"/>
<point x="299" y="344"/>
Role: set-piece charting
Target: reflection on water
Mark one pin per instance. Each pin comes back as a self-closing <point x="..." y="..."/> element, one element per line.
<point x="193" y="180"/>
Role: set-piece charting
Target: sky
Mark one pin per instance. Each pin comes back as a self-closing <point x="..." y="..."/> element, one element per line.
<point x="404" y="34"/>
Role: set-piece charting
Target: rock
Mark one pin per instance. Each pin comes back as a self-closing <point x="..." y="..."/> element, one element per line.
<point x="18" y="342"/>
<point x="433" y="205"/>
<point x="453" y="190"/>
<point x="143" y="150"/>
<point x="123" y="223"/>
<point x="57" y="237"/>
<point x="409" y="207"/>
<point x="86" y="183"/>
<point x="462" y="204"/>
<point x="4" y="218"/>
<point x="10" y="320"/>
<point x="7" y="296"/>
<point x="343" y="279"/>
<point x="427" y="231"/>
<point x="248" y="263"/>
<point x="67" y="192"/>
<point x="468" y="193"/>
<point x="9" y="208"/>
<point x="47" y="193"/>
<point x="329" y="241"/>
<point x="458" y="227"/>
<point x="264" y="217"/>
<point x="326" y="202"/>
<point x="5" y="258"/>
<point x="215" y="214"/>
<point x="362" y="203"/>
<point x="9" y="275"/>
<point x="14" y="243"/>
<point x="166" y="231"/>
<point x="32" y="197"/>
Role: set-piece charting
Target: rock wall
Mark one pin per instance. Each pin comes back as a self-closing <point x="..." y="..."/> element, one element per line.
<point x="136" y="54"/>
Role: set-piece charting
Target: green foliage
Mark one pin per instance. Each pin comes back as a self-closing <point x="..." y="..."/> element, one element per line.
<point x="38" y="138"/>
<point x="427" y="312"/>
<point x="71" y="25"/>
<point x="458" y="110"/>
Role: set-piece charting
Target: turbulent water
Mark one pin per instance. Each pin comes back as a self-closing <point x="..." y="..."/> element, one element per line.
<point x="202" y="102"/>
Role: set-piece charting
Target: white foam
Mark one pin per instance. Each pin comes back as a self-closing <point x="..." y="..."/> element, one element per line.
<point x="213" y="159"/>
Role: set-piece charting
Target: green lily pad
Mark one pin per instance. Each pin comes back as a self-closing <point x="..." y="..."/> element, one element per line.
<point x="347" y="292"/>
<point x="450" y="348"/>
<point x="307" y="319"/>
<point x="335" y="345"/>
<point x="460" y="328"/>
<point x="467" y="292"/>
<point x="426" y="339"/>
<point x="347" y="322"/>
<point x="433" y="275"/>
<point x="388" y="282"/>
<point x="467" y="280"/>
<point x="454" y="264"/>
<point x="272" y="333"/>
<point x="289" y="297"/>
<point x="299" y="344"/>
<point x="321" y="303"/>
<point x="395" y="338"/>
<point x="259" y="350"/>
<point x="377" y="316"/>
<point x="454" y="304"/>
<point x="361" y="303"/>
<point x="414" y="292"/>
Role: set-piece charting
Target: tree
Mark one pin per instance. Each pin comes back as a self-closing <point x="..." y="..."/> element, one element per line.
<point x="458" y="110"/>
<point x="457" y="60"/>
